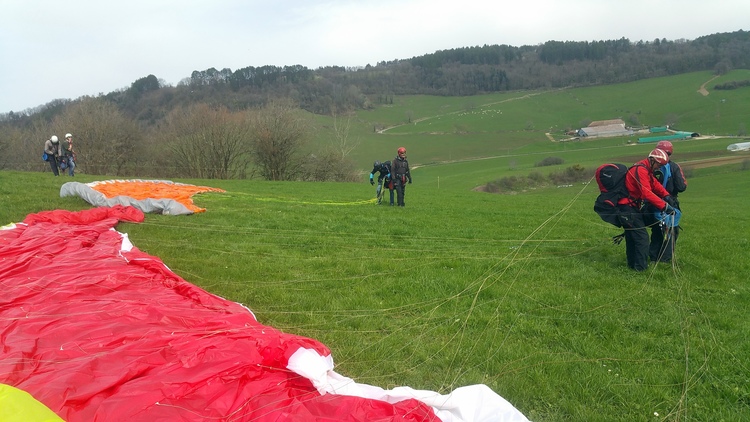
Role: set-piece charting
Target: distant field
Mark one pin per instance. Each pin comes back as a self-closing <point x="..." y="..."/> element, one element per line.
<point x="437" y="129"/>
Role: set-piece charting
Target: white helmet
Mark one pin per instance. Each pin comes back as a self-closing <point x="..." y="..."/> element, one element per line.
<point x="660" y="156"/>
<point x="67" y="135"/>
<point x="53" y="139"/>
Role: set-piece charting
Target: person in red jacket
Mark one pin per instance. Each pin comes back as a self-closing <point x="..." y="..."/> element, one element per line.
<point x="643" y="188"/>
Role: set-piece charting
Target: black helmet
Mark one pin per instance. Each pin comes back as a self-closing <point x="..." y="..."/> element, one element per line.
<point x="376" y="164"/>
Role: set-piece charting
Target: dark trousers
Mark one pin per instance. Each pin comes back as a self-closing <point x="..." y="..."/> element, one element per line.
<point x="53" y="164"/>
<point x="398" y="184"/>
<point x="662" y="244"/>
<point x="384" y="185"/>
<point x="636" y="237"/>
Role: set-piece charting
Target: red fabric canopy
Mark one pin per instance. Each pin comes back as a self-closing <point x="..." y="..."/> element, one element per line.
<point x="99" y="331"/>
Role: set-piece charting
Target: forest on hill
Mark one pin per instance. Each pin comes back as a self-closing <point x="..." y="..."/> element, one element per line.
<point x="127" y="123"/>
<point x="455" y="72"/>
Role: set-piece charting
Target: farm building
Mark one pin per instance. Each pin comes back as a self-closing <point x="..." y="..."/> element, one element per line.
<point x="675" y="136"/>
<point x="611" y="122"/>
<point x="604" y="131"/>
<point x="657" y="129"/>
<point x="742" y="146"/>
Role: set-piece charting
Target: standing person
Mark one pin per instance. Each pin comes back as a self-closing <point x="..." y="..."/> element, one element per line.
<point x="643" y="188"/>
<point x="53" y="150"/>
<point x="69" y="155"/>
<point x="384" y="178"/>
<point x="400" y="174"/>
<point x="672" y="178"/>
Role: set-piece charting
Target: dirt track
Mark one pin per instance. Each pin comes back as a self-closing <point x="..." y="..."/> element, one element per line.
<point x="713" y="162"/>
<point x="703" y="91"/>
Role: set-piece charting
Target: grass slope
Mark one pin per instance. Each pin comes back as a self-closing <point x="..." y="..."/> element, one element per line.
<point x="524" y="293"/>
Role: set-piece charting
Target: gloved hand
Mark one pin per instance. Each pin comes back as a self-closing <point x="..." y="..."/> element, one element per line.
<point x="372" y="182"/>
<point x="618" y="239"/>
<point x="668" y="209"/>
<point x="669" y="200"/>
<point x="410" y="180"/>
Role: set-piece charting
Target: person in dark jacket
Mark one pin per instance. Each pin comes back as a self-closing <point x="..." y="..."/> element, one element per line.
<point x="384" y="178"/>
<point x="673" y="180"/>
<point x="69" y="154"/>
<point x="400" y="174"/>
<point x="53" y="150"/>
<point x="643" y="188"/>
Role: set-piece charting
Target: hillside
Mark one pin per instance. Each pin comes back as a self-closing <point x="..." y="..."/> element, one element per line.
<point x="435" y="129"/>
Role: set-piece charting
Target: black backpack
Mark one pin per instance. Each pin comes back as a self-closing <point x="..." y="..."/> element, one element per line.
<point x="611" y="180"/>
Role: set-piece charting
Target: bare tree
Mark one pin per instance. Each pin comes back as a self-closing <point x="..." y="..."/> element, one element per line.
<point x="22" y="149"/>
<point x="208" y="142"/>
<point x="14" y="154"/>
<point x="278" y="133"/>
<point x="343" y="144"/>
<point x="332" y="163"/>
<point x="106" y="142"/>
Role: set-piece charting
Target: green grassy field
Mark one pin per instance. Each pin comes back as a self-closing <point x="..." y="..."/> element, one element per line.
<point x="437" y="129"/>
<point x="525" y="293"/>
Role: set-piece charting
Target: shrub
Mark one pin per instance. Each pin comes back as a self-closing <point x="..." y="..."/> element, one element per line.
<point x="573" y="174"/>
<point x="536" y="177"/>
<point x="549" y="161"/>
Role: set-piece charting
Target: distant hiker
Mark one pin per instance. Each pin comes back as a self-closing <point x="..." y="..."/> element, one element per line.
<point x="52" y="151"/>
<point x="69" y="155"/>
<point x="384" y="178"/>
<point x="643" y="188"/>
<point x="400" y="174"/>
<point x="673" y="180"/>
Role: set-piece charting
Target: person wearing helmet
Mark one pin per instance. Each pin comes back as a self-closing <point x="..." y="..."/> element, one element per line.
<point x="53" y="151"/>
<point x="672" y="178"/>
<point x="68" y="155"/>
<point x="401" y="174"/>
<point x="643" y="189"/>
<point x="384" y="179"/>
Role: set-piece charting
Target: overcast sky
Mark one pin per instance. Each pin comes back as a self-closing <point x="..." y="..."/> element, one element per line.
<point x="53" y="49"/>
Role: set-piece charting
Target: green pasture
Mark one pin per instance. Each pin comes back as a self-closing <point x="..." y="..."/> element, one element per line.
<point x="455" y="128"/>
<point x="525" y="292"/>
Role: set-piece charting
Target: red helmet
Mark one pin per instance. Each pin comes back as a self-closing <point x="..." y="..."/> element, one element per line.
<point x="401" y="150"/>
<point x="660" y="156"/>
<point x="665" y="146"/>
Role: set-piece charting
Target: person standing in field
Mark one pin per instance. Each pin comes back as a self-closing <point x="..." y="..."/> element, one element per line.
<point x="643" y="189"/>
<point x="384" y="178"/>
<point x="672" y="178"/>
<point x="68" y="154"/>
<point x="53" y="151"/>
<point x="400" y="174"/>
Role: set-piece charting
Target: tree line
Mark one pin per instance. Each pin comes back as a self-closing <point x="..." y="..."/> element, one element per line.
<point x="198" y="140"/>
<point x="151" y="120"/>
